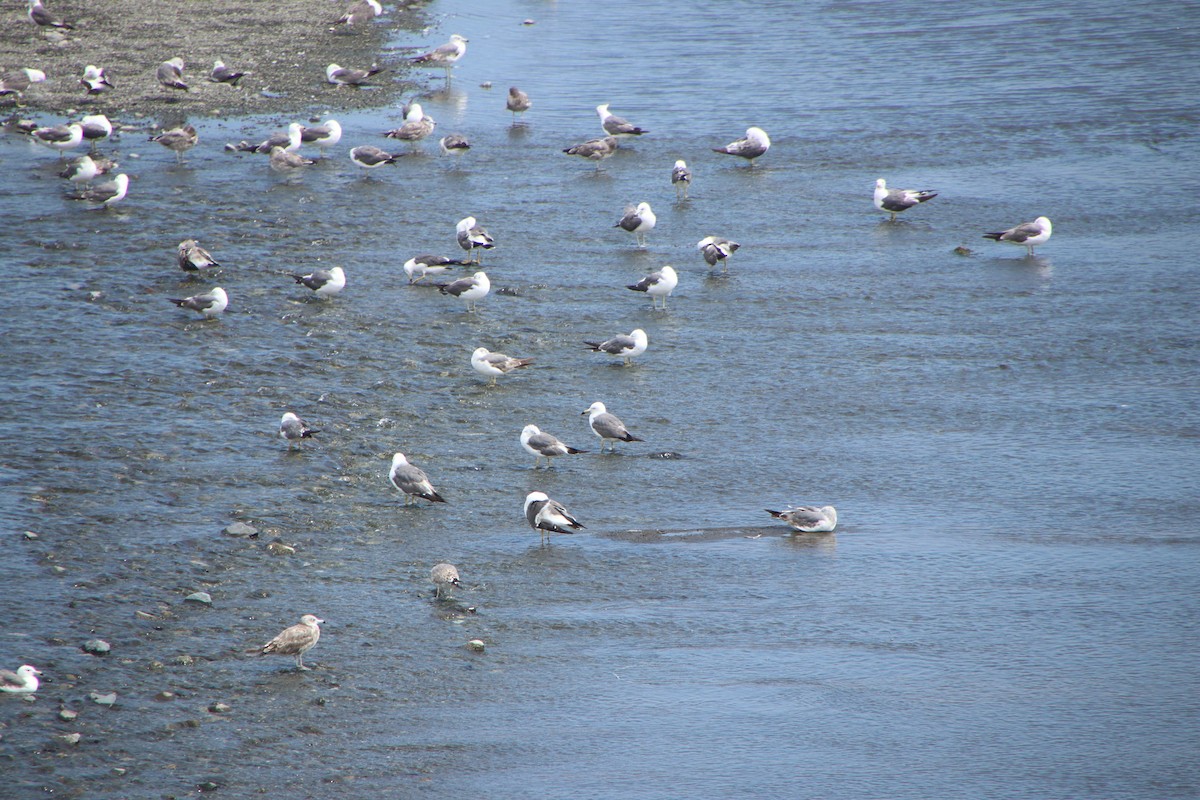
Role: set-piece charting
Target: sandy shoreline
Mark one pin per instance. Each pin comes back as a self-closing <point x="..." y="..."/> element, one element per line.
<point x="284" y="44"/>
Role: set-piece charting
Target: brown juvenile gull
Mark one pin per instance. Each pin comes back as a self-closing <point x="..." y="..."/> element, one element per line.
<point x="443" y="576"/>
<point x="209" y="305"/>
<point x="455" y="144"/>
<point x="419" y="267"/>
<point x="43" y="19"/>
<point x="283" y="161"/>
<point x="753" y="145"/>
<point x="893" y="201"/>
<point x="808" y="519"/>
<point x="657" y="284"/>
<point x="324" y="136"/>
<point x="193" y="258"/>
<point x="106" y="194"/>
<point x="540" y="444"/>
<point x="638" y="220"/>
<point x="594" y="149"/>
<point x="1027" y="234"/>
<point x="494" y="365"/>
<point x="359" y="14"/>
<point x="412" y="481"/>
<point x="345" y="76"/>
<point x="681" y="178"/>
<point x="470" y="290"/>
<point x="17" y="81"/>
<point x="294" y="641"/>
<point x="95" y="80"/>
<point x="325" y="283"/>
<point x="368" y="156"/>
<point x="616" y="126"/>
<point x="549" y="516"/>
<point x="444" y="56"/>
<point x="622" y="346"/>
<point x="23" y="681"/>
<point x="293" y="430"/>
<point x="518" y="102"/>
<point x="607" y="426"/>
<point x="417" y="125"/>
<point x="473" y="236"/>
<point x="170" y="74"/>
<point x="224" y="74"/>
<point x="716" y="249"/>
<point x="178" y="140"/>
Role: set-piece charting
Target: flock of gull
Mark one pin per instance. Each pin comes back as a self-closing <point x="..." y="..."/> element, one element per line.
<point x="543" y="514"/>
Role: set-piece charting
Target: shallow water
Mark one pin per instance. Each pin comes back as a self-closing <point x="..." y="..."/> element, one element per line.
<point x="1009" y="606"/>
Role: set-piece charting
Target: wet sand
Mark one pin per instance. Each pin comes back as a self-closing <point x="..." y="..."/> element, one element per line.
<point x="285" y="45"/>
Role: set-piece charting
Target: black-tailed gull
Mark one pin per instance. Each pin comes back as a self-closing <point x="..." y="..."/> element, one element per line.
<point x="1027" y="234"/>
<point x="95" y="80"/>
<point x="293" y="429"/>
<point x="607" y="426"/>
<point x="717" y="249"/>
<point x="681" y="179"/>
<point x="622" y="345"/>
<point x="750" y="147"/>
<point x="23" y="681"/>
<point x="346" y="76"/>
<point x="444" y="56"/>
<point x="294" y="641"/>
<point x="470" y="290"/>
<point x="411" y="481"/>
<point x="419" y="267"/>
<point x="193" y="258"/>
<point x="657" y="284"/>
<point x="18" y="81"/>
<point x="494" y="365"/>
<point x="325" y="283"/>
<point x="549" y="516"/>
<point x="82" y="170"/>
<point x="454" y="144"/>
<point x="368" y="156"/>
<point x="359" y="14"/>
<point x="443" y="576"/>
<point x="170" y="74"/>
<point x="221" y="73"/>
<point x="324" y="136"/>
<point x="96" y="128"/>
<point x="43" y="19"/>
<point x="893" y="201"/>
<point x="638" y="220"/>
<point x="473" y="236"/>
<point x="616" y="126"/>
<point x="61" y="137"/>
<point x="107" y="194"/>
<point x="540" y="444"/>
<point x="208" y="305"/>
<point x="808" y="519"/>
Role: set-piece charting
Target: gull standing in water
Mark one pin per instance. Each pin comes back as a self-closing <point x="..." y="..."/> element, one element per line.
<point x="444" y="56"/>
<point x="594" y="149"/>
<point x="469" y="290"/>
<point x="808" y="519"/>
<point x="622" y="346"/>
<point x="208" y="305"/>
<point x="289" y="140"/>
<point x="657" y="284"/>
<point x="494" y="365"/>
<point x="1027" y="234"/>
<point x="17" y="81"/>
<point x="23" y="681"/>
<point x="419" y="267"/>
<point x="193" y="258"/>
<point x="518" y="102"/>
<point x="549" y="516"/>
<point x="325" y="283"/>
<point x="286" y="161"/>
<point x="681" y="179"/>
<point x="472" y="236"/>
<point x="411" y="481"/>
<point x="223" y="74"/>
<point x="178" y="140"/>
<point x="607" y="426"/>
<point x="107" y="194"/>
<point x="82" y="170"/>
<point x="96" y="128"/>
<point x="616" y="126"/>
<point x="893" y="201"/>
<point x="454" y="144"/>
<point x="717" y="249"/>
<point x="540" y="444"/>
<point x="368" y="156"/>
<point x="753" y="145"/>
<point x="294" y="641"/>
<point x="324" y="136"/>
<point x="293" y="430"/>
<point x="444" y="576"/>
<point x="170" y="74"/>
<point x="638" y="220"/>
<point x="417" y="125"/>
<point x="61" y="137"/>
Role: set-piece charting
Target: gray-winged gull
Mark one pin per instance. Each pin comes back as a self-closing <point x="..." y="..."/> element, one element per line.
<point x="893" y="201"/>
<point x="494" y="365"/>
<point x="751" y="146"/>
<point x="193" y="258"/>
<point x="657" y="284"/>
<point x="808" y="519"/>
<point x="607" y="426"/>
<point x="208" y="305"/>
<point x="1027" y="234"/>
<point x="411" y="481"/>
<point x="540" y="444"/>
<point x="470" y="290"/>
<point x="549" y="516"/>
<point x="638" y="220"/>
<point x="293" y="429"/>
<point x="622" y="345"/>
<point x="617" y="126"/>
<point x="23" y="681"/>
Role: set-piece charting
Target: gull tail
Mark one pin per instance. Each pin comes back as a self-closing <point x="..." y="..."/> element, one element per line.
<point x="308" y="434"/>
<point x="178" y="301"/>
<point x="995" y="237"/>
<point x="434" y="497"/>
<point x="573" y="451"/>
<point x="924" y="195"/>
<point x="776" y="514"/>
<point x="593" y="346"/>
<point x="629" y="437"/>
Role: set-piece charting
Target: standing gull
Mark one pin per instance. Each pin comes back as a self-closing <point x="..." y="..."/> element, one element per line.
<point x="594" y="149"/>
<point x="359" y="14"/>
<point x="657" y="284"/>
<point x="607" y="426"/>
<point x="494" y="365"/>
<point x="444" y="576"/>
<point x="893" y="201"/>
<point x="345" y="76"/>
<point x="616" y="126"/>
<point x="61" y="137"/>
<point x="808" y="519"/>
<point x="289" y="140"/>
<point x="285" y="161"/>
<point x="1028" y="234"/>
<point x="325" y="283"/>
<point x="417" y="125"/>
<point x="518" y="102"/>
<point x="17" y="81"/>
<point x="412" y="481"/>
<point x="106" y="194"/>
<point x="368" y="156"/>
<point x="540" y="444"/>
<point x="681" y="179"/>
<point x="170" y="74"/>
<point x="82" y="170"/>
<point x="751" y="147"/>
<point x="472" y="236"/>
<point x="622" y="346"/>
<point x="294" y="641"/>
<point x="208" y="305"/>
<point x="178" y="140"/>
<point x="638" y="220"/>
<point x="419" y="267"/>
<point x="549" y="516"/>
<point x="444" y="56"/>
<point x="469" y="290"/>
<point x="324" y="136"/>
<point x="225" y="74"/>
<point x="23" y="681"/>
<point x="717" y="250"/>
<point x="293" y="430"/>
<point x="96" y="128"/>
<point x="193" y="258"/>
<point x="43" y="19"/>
<point x="95" y="80"/>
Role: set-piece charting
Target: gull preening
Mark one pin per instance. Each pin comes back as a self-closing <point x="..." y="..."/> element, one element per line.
<point x="61" y="137"/>
<point x="289" y="140"/>
<point x="18" y="81"/>
<point x="359" y="14"/>
<point x="750" y="147"/>
<point x="324" y="136"/>
<point x="638" y="220"/>
<point x="294" y="641"/>
<point x="549" y="516"/>
<point x="473" y="236"/>
<point x="444" y="56"/>
<point x="286" y="161"/>
<point x="95" y="80"/>
<point x="345" y="76"/>
<point x="494" y="365"/>
<point x="607" y="426"/>
<point x="1027" y="234"/>
<point x="681" y="179"/>
<point x="470" y="290"/>
<point x="716" y="250"/>
<point x="170" y="74"/>
<point x="616" y="126"/>
<point x="657" y="284"/>
<point x="419" y="267"/>
<point x="518" y="102"/>
<point x="455" y="144"/>
<point x="178" y="140"/>
<point x="43" y="18"/>
<point x="208" y="305"/>
<point x="417" y="125"/>
<point x="808" y="519"/>
<point x="443" y="576"/>
<point x="411" y="481"/>
<point x="193" y="258"/>
<point x="540" y="444"/>
<point x="594" y="149"/>
<point x="368" y="156"/>
<point x="622" y="346"/>
<point x="23" y="681"/>
<point x="107" y="194"/>
<point x="225" y="74"/>
<point x="293" y="430"/>
<point x="893" y="201"/>
<point x="82" y="170"/>
<point x="325" y="283"/>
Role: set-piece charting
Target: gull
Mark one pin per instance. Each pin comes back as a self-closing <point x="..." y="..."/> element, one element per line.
<point x="96" y="128"/>
<point x="292" y="429"/>
<point x="223" y="74"/>
<point x="472" y="236"/>
<point x="1029" y="234"/>
<point x="518" y="102"/>
<point x="622" y="346"/>
<point x="324" y="282"/>
<point x="616" y="126"/>
<point x="540" y="444"/>
<point x="751" y="147"/>
<point x="208" y="305"/>
<point x="549" y="516"/>
<point x="594" y="149"/>
<point x="443" y="576"/>
<point x="444" y="56"/>
<point x="359" y="14"/>
<point x="638" y="220"/>
<point x="324" y="136"/>
<point x="470" y="290"/>
<point x="368" y="156"/>
<point x="82" y="170"/>
<point x="716" y="249"/>
<point x="454" y="145"/>
<point x="494" y="365"/>
<point x="657" y="284"/>
<point x="808" y="519"/>
<point x="418" y="267"/>
<point x="178" y="140"/>
<point x="61" y="137"/>
<point x="106" y="194"/>
<point x="41" y="17"/>
<point x="607" y="426"/>
<point x="17" y="81"/>
<point x="289" y="140"/>
<point x="417" y="125"/>
<point x="23" y="681"/>
<point x="894" y="201"/>
<point x="285" y="161"/>
<point x="345" y="76"/>
<point x="95" y="80"/>
<point x="412" y="481"/>
<point x="294" y="641"/>
<point x="681" y="178"/>
<point x="170" y="74"/>
<point x="193" y="258"/>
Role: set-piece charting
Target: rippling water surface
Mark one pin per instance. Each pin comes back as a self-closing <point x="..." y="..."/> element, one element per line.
<point x="1009" y="605"/>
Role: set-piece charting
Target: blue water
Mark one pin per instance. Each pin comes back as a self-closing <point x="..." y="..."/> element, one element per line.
<point x="1009" y="607"/>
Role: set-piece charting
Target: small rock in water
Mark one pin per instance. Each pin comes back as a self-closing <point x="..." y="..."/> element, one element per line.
<point x="281" y="549"/>
<point x="67" y="714"/>
<point x="485" y="85"/>
<point x="963" y="251"/>
<point x="666" y="456"/>
<point x="240" y="529"/>
<point x="527" y="22"/>
<point x="164" y="696"/>
<point x="30" y="535"/>
<point x="219" y="708"/>
<point x="477" y="645"/>
<point x="103" y="698"/>
<point x="97" y="647"/>
<point x="185" y="660"/>
<point x="199" y="597"/>
<point x="69" y="738"/>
